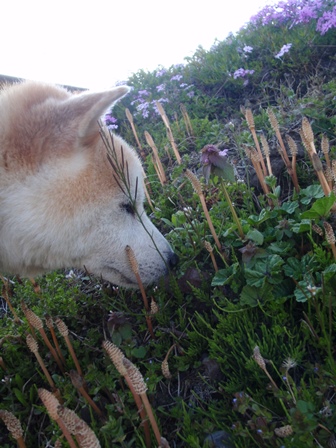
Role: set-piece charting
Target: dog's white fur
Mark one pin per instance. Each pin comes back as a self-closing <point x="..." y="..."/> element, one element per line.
<point x="61" y="204"/>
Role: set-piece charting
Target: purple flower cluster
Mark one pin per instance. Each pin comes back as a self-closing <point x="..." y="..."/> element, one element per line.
<point x="145" y="101"/>
<point x="247" y="49"/>
<point x="110" y="121"/>
<point x="161" y="72"/>
<point x="176" y="78"/>
<point x="284" y="49"/>
<point x="241" y="73"/>
<point x="299" y="11"/>
<point x="327" y="21"/>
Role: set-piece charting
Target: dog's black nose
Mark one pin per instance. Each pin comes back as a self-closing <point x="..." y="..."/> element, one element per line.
<point x="173" y="260"/>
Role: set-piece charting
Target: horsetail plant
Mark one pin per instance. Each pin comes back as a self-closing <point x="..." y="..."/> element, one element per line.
<point x="63" y="329"/>
<point x="84" y="435"/>
<point x="14" y="427"/>
<point x="275" y="125"/>
<point x="33" y="347"/>
<point x="140" y="389"/>
<point x="266" y="150"/>
<point x="169" y="131"/>
<point x="262" y="364"/>
<point x="50" y="325"/>
<point x="117" y="356"/>
<point x="156" y="159"/>
<point x="135" y="268"/>
<point x="330" y="237"/>
<point x="52" y="404"/>
<point x="37" y="323"/>
<point x="250" y="121"/>
<point x="79" y="384"/>
<point x="131" y="122"/>
<point x="198" y="189"/>
<point x="294" y="151"/>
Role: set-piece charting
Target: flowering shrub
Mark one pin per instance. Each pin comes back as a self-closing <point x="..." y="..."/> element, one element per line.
<point x="164" y="86"/>
<point x="297" y="12"/>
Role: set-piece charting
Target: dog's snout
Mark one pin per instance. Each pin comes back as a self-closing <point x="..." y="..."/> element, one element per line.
<point x="173" y="260"/>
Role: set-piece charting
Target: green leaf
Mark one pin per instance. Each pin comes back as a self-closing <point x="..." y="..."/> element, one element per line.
<point x="251" y="295"/>
<point x="293" y="268"/>
<point x="329" y="272"/>
<point x="280" y="248"/>
<point x="224" y="276"/>
<point x="255" y="236"/>
<point x="226" y="172"/>
<point x="320" y="208"/>
<point x="20" y="396"/>
<point x="266" y="269"/>
<point x="263" y="216"/>
<point x="302" y="226"/>
<point x="139" y="352"/>
<point x="311" y="192"/>
<point x="290" y="207"/>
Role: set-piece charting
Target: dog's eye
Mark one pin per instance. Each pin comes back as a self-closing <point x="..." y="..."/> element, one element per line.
<point x="128" y="207"/>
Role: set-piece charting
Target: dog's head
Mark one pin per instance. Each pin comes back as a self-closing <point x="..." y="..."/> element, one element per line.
<point x="65" y="202"/>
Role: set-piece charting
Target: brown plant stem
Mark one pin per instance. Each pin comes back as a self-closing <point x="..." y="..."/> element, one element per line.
<point x="198" y="189"/>
<point x="209" y="248"/>
<point x="135" y="268"/>
<point x="37" y="323"/>
<point x="251" y="125"/>
<point x="140" y="388"/>
<point x="5" y="293"/>
<point x="131" y="121"/>
<point x="261" y="363"/>
<point x="156" y="159"/>
<point x="50" y="325"/>
<point x="169" y="131"/>
<point x="33" y="347"/>
<point x="63" y="329"/>
<point x="77" y="381"/>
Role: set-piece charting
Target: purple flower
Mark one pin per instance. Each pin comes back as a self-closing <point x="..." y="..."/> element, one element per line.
<point x="241" y="73"/>
<point x="191" y="94"/>
<point x="160" y="87"/>
<point x="176" y="78"/>
<point x="212" y="158"/>
<point x="161" y="72"/>
<point x="111" y="121"/>
<point x="143" y="93"/>
<point x="247" y="49"/>
<point x="284" y="49"/>
<point x="326" y="21"/>
<point x="183" y="85"/>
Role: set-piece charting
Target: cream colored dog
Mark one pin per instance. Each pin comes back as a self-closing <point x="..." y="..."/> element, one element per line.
<point x="62" y="204"/>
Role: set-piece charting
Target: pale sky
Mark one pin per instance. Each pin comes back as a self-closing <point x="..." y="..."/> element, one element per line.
<point x="94" y="44"/>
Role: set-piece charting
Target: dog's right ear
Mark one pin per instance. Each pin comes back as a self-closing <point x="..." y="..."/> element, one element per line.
<point x="89" y="107"/>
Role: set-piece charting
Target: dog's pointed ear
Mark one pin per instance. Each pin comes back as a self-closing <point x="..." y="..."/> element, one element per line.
<point x="89" y="108"/>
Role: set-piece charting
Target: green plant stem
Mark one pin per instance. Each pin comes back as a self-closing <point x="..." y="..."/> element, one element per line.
<point x="233" y="211"/>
